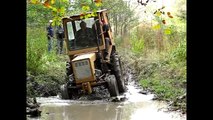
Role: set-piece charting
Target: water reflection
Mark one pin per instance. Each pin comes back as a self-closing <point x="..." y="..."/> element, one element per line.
<point x="109" y="111"/>
<point x="146" y="110"/>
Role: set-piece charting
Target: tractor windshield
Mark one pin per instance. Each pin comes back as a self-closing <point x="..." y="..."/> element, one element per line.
<point x="82" y="34"/>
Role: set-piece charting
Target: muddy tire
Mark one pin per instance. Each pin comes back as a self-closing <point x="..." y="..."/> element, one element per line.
<point x="64" y="92"/>
<point x="117" y="69"/>
<point x="68" y="69"/>
<point x="112" y="86"/>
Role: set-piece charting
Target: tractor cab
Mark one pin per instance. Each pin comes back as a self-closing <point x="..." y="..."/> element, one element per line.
<point x="92" y="39"/>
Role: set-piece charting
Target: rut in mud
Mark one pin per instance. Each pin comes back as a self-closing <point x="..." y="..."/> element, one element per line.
<point x="135" y="104"/>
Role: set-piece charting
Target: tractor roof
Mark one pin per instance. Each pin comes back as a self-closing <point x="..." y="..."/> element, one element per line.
<point x="76" y="15"/>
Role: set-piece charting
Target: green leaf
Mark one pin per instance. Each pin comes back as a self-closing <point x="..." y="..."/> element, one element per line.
<point x="56" y="21"/>
<point x="93" y="14"/>
<point x="65" y="0"/>
<point x="61" y="10"/>
<point x="54" y="9"/>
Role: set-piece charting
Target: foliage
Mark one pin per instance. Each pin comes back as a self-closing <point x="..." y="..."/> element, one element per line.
<point x="59" y="8"/>
<point x="163" y="88"/>
<point x="37" y="55"/>
<point x="160" y="17"/>
<point x="121" y="16"/>
<point x="163" y="73"/>
<point x="46" y="71"/>
<point x="37" y="15"/>
<point x="89" y="6"/>
<point x="35" y="50"/>
<point x="181" y="9"/>
<point x="137" y="44"/>
<point x="179" y="53"/>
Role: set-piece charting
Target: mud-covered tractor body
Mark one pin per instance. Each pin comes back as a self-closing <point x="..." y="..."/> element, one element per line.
<point x="93" y="60"/>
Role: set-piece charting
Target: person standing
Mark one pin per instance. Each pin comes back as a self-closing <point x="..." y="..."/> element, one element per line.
<point x="60" y="39"/>
<point x="50" y="35"/>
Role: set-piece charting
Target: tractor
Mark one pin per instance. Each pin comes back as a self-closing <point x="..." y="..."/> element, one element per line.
<point x="93" y="59"/>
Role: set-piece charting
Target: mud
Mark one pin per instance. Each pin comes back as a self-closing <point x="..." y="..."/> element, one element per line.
<point x="135" y="104"/>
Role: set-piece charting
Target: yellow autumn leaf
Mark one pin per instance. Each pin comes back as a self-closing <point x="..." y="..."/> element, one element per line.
<point x="62" y="10"/>
<point x="52" y="1"/>
<point x="81" y="17"/>
<point x="89" y="15"/>
<point x="86" y="8"/>
<point x="98" y="4"/>
<point x="156" y="27"/>
<point x="167" y="31"/>
<point x="85" y="17"/>
<point x="93" y="14"/>
<point x="158" y="13"/>
<point x="34" y="1"/>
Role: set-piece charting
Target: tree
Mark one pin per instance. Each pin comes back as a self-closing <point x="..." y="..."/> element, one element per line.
<point x="121" y="16"/>
<point x="55" y="8"/>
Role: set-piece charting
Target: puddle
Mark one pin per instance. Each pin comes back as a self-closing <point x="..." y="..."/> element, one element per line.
<point x="137" y="107"/>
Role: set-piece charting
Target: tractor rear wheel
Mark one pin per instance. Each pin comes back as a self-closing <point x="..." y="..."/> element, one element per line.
<point x="118" y="73"/>
<point x="68" y="69"/>
<point x="112" y="86"/>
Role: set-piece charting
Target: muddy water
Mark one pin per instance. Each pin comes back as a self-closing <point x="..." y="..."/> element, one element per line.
<point x="136" y="107"/>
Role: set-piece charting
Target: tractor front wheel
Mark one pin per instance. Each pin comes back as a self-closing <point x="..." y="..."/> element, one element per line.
<point x="64" y="92"/>
<point x="118" y="73"/>
<point x="112" y="85"/>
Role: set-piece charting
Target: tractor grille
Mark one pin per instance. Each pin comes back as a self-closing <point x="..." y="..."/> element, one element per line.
<point x="82" y="69"/>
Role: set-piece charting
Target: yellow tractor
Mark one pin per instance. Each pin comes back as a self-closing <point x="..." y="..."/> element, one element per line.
<point x="93" y="60"/>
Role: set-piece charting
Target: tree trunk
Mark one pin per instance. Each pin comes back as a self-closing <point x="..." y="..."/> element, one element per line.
<point x="121" y="30"/>
<point x="116" y="25"/>
<point x="125" y="29"/>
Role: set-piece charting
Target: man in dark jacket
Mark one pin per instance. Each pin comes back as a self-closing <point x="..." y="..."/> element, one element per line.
<point x="85" y="36"/>
<point x="50" y="35"/>
<point x="60" y="39"/>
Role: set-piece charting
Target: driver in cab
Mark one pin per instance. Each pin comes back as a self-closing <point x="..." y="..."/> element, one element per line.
<point x="85" y="35"/>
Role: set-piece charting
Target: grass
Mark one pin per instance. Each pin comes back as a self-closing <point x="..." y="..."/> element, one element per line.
<point x="46" y="69"/>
